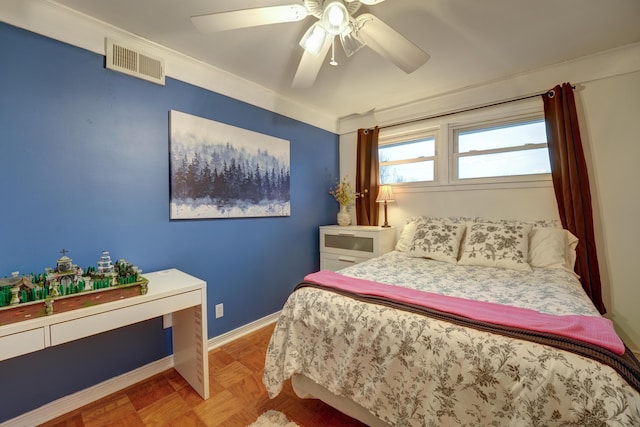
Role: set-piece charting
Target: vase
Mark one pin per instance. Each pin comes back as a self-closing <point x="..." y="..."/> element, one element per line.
<point x="344" y="217"/>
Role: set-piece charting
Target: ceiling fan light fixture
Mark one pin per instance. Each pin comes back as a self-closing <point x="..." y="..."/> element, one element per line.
<point x="335" y="17"/>
<point x="351" y="43"/>
<point x="314" y="39"/>
<point x="371" y="2"/>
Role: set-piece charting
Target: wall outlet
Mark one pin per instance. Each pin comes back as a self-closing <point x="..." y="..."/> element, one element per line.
<point x="219" y="310"/>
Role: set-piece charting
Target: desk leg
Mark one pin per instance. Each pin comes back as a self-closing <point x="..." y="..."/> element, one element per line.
<point x="190" y="355"/>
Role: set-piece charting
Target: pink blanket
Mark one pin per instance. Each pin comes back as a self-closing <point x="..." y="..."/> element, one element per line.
<point x="591" y="329"/>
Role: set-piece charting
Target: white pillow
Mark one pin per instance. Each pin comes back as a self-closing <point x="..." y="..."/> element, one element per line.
<point x="572" y="244"/>
<point x="548" y="248"/>
<point x="437" y="240"/>
<point x="406" y="237"/>
<point x="552" y="248"/>
<point x="503" y="245"/>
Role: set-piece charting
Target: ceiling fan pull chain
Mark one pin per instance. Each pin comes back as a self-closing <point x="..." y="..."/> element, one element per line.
<point x="333" y="52"/>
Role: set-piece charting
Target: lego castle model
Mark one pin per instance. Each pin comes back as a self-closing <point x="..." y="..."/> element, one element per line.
<point x="67" y="280"/>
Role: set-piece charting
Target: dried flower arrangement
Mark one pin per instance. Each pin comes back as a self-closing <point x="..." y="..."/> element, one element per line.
<point x="343" y="192"/>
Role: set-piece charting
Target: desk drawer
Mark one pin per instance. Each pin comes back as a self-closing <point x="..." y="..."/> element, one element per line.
<point x="21" y="343"/>
<point x="90" y="325"/>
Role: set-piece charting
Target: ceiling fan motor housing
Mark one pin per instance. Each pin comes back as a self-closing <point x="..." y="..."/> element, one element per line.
<point x="317" y="7"/>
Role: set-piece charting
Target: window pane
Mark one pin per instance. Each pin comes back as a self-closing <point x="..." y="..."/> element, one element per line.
<point x="407" y="172"/>
<point x="407" y="150"/>
<point x="521" y="162"/>
<point x="512" y="135"/>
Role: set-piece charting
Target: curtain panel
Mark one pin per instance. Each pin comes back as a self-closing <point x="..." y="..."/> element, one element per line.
<point x="571" y="184"/>
<point x="367" y="177"/>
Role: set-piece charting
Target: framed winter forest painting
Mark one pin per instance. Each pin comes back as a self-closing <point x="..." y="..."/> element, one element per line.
<point x="221" y="171"/>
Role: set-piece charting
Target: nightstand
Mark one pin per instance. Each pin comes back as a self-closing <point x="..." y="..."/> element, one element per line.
<point x="342" y="246"/>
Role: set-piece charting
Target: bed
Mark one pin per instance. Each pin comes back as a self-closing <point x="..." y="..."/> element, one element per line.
<point x="380" y="353"/>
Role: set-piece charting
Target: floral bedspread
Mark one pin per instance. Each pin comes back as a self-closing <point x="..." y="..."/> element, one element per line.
<point x="548" y="290"/>
<point x="411" y="370"/>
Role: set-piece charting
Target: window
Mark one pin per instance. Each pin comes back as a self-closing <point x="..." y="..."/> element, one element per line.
<point x="508" y="149"/>
<point x="407" y="161"/>
<point x="495" y="146"/>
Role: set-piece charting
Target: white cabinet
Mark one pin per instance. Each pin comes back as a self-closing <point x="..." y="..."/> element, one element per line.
<point x="342" y="246"/>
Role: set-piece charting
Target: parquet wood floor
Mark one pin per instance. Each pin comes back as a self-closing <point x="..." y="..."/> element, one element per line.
<point x="238" y="396"/>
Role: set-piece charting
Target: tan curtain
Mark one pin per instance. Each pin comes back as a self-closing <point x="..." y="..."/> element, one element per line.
<point x="367" y="177"/>
<point x="571" y="184"/>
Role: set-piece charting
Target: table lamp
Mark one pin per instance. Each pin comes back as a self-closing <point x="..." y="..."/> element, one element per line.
<point x="385" y="194"/>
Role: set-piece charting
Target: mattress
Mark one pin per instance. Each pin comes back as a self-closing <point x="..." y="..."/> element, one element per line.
<point x="408" y="369"/>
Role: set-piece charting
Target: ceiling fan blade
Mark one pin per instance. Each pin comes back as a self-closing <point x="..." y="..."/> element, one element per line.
<point x="309" y="67"/>
<point x="244" y="18"/>
<point x="390" y="44"/>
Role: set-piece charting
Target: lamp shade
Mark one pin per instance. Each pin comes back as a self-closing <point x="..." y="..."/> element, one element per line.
<point x="351" y="43"/>
<point x="335" y="17"/>
<point x="314" y="39"/>
<point x="385" y="194"/>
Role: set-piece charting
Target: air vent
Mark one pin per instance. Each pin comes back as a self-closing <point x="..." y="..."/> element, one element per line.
<point x="134" y="63"/>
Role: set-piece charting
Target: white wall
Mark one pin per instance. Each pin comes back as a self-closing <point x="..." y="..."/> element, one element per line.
<point x="609" y="128"/>
<point x="608" y="100"/>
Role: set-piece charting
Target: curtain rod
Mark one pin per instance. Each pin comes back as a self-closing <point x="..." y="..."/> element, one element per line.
<point x="550" y="91"/>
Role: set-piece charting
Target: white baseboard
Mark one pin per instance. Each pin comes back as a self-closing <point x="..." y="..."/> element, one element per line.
<point x="76" y="400"/>
<point x="223" y="339"/>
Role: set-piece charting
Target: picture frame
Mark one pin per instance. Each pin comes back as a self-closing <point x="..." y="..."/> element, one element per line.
<point x="222" y="171"/>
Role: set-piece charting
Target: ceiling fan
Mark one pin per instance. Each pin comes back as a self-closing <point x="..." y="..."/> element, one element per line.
<point x="334" y="19"/>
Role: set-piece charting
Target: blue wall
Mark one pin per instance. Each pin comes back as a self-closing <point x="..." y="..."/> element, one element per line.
<point x="84" y="165"/>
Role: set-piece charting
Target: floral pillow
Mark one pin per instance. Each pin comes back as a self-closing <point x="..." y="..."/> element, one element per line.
<point x="502" y="245"/>
<point x="437" y="240"/>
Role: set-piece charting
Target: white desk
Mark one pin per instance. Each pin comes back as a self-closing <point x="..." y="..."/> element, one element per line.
<point x="170" y="291"/>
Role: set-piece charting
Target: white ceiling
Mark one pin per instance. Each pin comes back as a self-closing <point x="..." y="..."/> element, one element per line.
<point x="471" y="42"/>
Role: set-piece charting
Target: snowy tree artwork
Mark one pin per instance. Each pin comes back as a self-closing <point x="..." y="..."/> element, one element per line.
<point x="221" y="171"/>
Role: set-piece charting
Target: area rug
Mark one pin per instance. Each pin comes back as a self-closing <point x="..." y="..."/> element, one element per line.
<point x="273" y="418"/>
